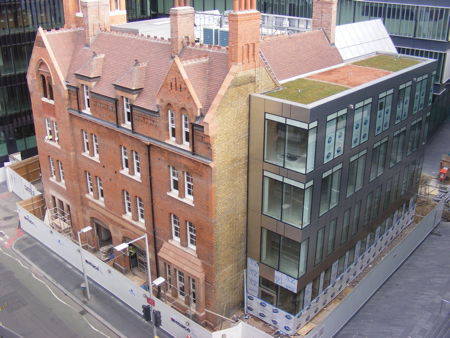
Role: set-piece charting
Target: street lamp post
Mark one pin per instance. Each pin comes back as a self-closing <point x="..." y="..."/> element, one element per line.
<point x="123" y="246"/>
<point x="84" y="230"/>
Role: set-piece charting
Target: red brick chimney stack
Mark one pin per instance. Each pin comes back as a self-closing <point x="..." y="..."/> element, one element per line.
<point x="244" y="34"/>
<point x="95" y="17"/>
<point x="182" y="19"/>
<point x="324" y="17"/>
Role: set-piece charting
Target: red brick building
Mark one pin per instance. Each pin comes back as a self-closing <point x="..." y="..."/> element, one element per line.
<point x="141" y="135"/>
<point x="137" y="135"/>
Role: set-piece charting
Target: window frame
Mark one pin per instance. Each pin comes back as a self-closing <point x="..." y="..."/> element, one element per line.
<point x="136" y="163"/>
<point x="95" y="145"/>
<point x="127" y="118"/>
<point x="101" y="193"/>
<point x="185" y="129"/>
<point x="86" y="99"/>
<point x="61" y="171"/>
<point x="85" y="139"/>
<point x="89" y="185"/>
<point x="140" y="209"/>
<point x="175" y="227"/>
<point x="52" y="167"/>
<point x="174" y="180"/>
<point x="191" y="235"/>
<point x="124" y="158"/>
<point x="127" y="203"/>
<point x="171" y="125"/>
<point x="188" y="185"/>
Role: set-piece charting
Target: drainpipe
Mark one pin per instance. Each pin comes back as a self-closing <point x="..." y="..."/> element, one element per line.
<point x="153" y="216"/>
<point x="117" y="116"/>
<point x="78" y="99"/>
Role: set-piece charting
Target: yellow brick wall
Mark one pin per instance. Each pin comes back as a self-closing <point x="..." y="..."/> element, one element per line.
<point x="230" y="154"/>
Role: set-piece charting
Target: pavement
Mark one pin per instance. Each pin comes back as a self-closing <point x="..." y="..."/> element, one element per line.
<point x="103" y="307"/>
<point x="438" y="145"/>
<point x="413" y="302"/>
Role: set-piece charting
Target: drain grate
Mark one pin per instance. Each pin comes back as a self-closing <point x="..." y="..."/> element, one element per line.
<point x="82" y="312"/>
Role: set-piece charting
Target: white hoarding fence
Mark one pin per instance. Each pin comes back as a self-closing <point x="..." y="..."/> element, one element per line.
<point x="119" y="285"/>
<point x="19" y="185"/>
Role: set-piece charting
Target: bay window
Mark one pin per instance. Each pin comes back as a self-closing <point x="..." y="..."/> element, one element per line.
<point x="290" y="144"/>
<point x="284" y="254"/>
<point x="287" y="200"/>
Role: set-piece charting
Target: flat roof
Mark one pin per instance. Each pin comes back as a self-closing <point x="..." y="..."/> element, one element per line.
<point x="323" y="84"/>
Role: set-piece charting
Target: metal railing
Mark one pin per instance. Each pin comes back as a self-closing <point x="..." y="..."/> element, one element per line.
<point x="271" y="24"/>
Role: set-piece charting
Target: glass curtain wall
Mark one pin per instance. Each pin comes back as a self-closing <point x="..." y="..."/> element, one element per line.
<point x="400" y="19"/>
<point x="19" y="21"/>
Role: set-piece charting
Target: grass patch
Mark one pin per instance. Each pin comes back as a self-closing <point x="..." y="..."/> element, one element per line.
<point x="388" y="62"/>
<point x="306" y="91"/>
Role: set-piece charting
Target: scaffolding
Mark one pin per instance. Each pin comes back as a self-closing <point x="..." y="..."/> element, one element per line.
<point x="60" y="220"/>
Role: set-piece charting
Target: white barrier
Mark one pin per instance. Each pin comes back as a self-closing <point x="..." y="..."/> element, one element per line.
<point x="288" y="323"/>
<point x="119" y="285"/>
<point x="19" y="185"/>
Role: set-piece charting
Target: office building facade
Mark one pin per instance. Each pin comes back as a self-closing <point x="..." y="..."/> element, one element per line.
<point x="327" y="178"/>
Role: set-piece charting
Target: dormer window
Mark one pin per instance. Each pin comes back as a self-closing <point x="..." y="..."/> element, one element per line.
<point x="87" y="104"/>
<point x="127" y="111"/>
<point x="185" y="129"/>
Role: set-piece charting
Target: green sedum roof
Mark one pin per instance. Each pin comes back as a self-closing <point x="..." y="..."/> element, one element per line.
<point x="390" y="63"/>
<point x="306" y="91"/>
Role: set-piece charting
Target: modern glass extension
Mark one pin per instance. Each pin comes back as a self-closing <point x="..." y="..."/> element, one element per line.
<point x="290" y="144"/>
<point x="287" y="200"/>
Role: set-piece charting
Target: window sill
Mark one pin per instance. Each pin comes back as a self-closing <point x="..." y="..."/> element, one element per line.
<point x="126" y="125"/>
<point x="44" y="99"/>
<point x="79" y="14"/>
<point x="127" y="174"/>
<point x="98" y="201"/>
<point x="60" y="183"/>
<point x="129" y="218"/>
<point x="93" y="158"/>
<point x="174" y="194"/>
<point x="184" y="248"/>
<point x="180" y="145"/>
<point x="53" y="143"/>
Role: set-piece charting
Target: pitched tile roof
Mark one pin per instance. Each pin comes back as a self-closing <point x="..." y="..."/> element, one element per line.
<point x="121" y="50"/>
<point x="296" y="54"/>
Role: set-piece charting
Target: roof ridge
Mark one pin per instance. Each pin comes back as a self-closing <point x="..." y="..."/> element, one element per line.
<point x="211" y="48"/>
<point x="138" y="36"/>
<point x="200" y="59"/>
<point x="62" y="30"/>
<point x="287" y="36"/>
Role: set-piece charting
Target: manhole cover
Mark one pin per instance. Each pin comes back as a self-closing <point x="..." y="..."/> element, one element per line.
<point x="2" y="234"/>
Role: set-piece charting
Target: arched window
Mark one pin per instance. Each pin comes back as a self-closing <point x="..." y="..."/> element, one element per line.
<point x="44" y="86"/>
<point x="50" y="90"/>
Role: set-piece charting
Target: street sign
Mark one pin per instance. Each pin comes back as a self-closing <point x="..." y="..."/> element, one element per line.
<point x="150" y="301"/>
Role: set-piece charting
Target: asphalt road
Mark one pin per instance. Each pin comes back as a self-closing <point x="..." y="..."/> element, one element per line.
<point x="29" y="305"/>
